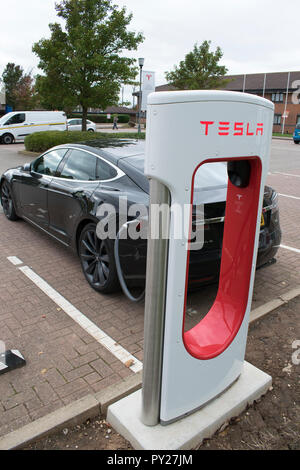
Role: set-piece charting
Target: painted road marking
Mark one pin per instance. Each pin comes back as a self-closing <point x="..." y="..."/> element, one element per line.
<point x="99" y="335"/>
<point x="285" y="174"/>
<point x="286" y="248"/>
<point x="14" y="260"/>
<point x="286" y="195"/>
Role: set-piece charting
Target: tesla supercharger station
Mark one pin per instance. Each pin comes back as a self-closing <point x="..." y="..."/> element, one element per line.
<point x="185" y="370"/>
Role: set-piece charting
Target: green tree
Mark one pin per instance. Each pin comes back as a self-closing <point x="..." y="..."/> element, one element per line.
<point x="200" y="70"/>
<point x="82" y="63"/>
<point x="11" y="78"/>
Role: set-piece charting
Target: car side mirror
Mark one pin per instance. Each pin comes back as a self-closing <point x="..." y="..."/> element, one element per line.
<point x="27" y="167"/>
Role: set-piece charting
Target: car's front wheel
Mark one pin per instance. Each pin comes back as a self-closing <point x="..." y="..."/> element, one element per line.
<point x="97" y="261"/>
<point x="7" y="139"/>
<point x="7" y="202"/>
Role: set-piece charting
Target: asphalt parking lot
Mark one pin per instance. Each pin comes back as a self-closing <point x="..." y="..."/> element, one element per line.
<point x="76" y="341"/>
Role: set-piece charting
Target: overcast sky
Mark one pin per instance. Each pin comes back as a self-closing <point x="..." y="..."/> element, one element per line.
<point x="254" y="35"/>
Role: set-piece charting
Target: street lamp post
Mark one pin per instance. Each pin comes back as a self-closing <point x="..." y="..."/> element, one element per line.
<point x="141" y="63"/>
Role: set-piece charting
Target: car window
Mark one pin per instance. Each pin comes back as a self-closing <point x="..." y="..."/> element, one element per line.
<point x="47" y="164"/>
<point x="16" y="119"/>
<point x="105" y="171"/>
<point x="72" y="122"/>
<point x="80" y="165"/>
<point x="298" y="125"/>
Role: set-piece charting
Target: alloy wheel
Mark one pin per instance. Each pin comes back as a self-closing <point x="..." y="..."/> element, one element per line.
<point x="6" y="198"/>
<point x="95" y="259"/>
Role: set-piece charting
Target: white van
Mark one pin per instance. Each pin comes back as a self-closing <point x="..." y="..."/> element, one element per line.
<point x="18" y="124"/>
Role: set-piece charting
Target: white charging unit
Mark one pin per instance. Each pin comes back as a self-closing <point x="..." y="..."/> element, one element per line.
<point x="185" y="130"/>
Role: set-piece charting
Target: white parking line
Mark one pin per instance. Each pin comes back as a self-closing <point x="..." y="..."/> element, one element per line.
<point x="285" y="174"/>
<point x="14" y="260"/>
<point x="287" y="195"/>
<point x="109" y="343"/>
<point x="290" y="248"/>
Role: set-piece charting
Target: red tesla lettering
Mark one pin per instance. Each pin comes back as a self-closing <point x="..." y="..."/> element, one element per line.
<point x="260" y="128"/>
<point x="223" y="128"/>
<point x="238" y="128"/>
<point x="249" y="133"/>
<point x="148" y="76"/>
<point x="206" y="124"/>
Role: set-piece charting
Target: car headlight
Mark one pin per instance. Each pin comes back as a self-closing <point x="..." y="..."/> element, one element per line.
<point x="273" y="203"/>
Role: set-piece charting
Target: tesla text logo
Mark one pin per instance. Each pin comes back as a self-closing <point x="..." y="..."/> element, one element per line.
<point x="148" y="76"/>
<point x="233" y="128"/>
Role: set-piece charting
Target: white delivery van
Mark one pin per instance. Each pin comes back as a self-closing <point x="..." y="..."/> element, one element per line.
<point x="18" y="124"/>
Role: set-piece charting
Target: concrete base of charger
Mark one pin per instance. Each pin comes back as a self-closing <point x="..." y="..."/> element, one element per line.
<point x="188" y="432"/>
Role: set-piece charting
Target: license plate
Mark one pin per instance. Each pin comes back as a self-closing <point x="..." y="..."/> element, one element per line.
<point x="262" y="220"/>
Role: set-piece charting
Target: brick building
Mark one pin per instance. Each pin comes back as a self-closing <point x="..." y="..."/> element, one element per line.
<point x="279" y="87"/>
<point x="274" y="87"/>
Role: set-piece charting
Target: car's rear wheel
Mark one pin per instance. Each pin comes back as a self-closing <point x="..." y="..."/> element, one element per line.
<point x="97" y="261"/>
<point x="7" y="202"/>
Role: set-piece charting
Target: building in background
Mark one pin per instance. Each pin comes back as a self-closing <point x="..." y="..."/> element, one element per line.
<point x="282" y="88"/>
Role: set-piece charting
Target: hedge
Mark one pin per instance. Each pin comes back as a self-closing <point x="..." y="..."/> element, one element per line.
<point x="102" y="118"/>
<point x="42" y="141"/>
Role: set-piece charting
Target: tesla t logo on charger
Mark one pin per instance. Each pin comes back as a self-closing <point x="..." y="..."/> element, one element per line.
<point x="233" y="128"/>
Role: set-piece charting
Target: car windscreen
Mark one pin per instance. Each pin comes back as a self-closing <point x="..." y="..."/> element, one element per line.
<point x="5" y="118"/>
<point x="298" y="125"/>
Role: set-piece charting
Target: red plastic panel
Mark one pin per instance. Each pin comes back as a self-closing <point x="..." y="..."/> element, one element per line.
<point x="214" y="333"/>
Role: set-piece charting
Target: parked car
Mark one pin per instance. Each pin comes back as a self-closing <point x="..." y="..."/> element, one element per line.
<point x="18" y="124"/>
<point x="76" y="125"/>
<point x="296" y="134"/>
<point x="61" y="190"/>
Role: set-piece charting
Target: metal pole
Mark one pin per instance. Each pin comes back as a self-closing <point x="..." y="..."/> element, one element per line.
<point x="285" y="105"/>
<point x="140" y="100"/>
<point x="264" y="87"/>
<point x="244" y="83"/>
<point x="156" y="277"/>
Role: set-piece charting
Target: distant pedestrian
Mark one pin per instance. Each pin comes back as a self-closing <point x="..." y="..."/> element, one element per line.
<point x="115" y="122"/>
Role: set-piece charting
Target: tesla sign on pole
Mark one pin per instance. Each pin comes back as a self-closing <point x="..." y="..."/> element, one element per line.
<point x="2" y="94"/>
<point x="148" y="86"/>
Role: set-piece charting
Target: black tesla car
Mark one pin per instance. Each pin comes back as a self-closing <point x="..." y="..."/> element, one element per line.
<point x="61" y="191"/>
